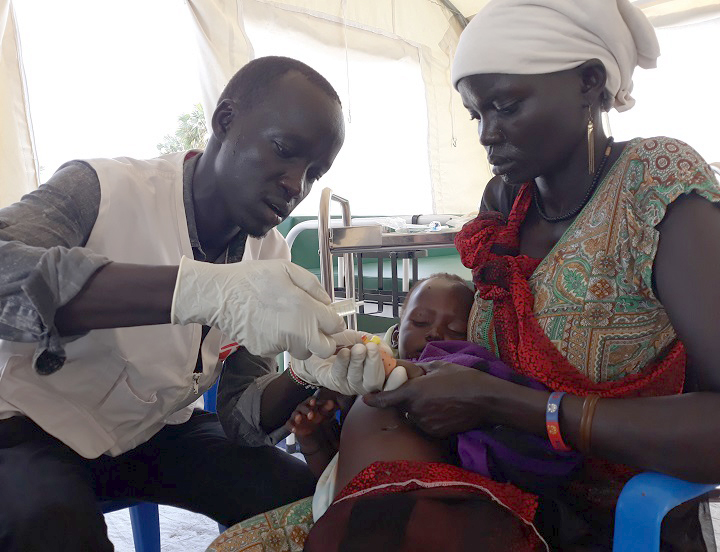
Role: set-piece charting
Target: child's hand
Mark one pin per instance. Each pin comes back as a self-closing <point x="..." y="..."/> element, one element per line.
<point x="309" y="416"/>
<point x="317" y="433"/>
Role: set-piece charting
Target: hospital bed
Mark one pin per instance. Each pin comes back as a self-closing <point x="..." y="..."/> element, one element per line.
<point x="352" y="241"/>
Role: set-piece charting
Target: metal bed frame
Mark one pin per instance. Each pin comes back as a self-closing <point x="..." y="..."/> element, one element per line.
<point x="348" y="240"/>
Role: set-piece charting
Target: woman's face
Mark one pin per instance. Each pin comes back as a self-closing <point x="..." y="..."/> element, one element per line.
<point x="438" y="310"/>
<point x="529" y="124"/>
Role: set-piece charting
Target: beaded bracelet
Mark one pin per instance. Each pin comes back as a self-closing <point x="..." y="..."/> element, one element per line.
<point x="552" y="421"/>
<point x="297" y="379"/>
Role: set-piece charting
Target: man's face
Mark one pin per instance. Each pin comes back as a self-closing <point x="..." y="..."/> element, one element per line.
<point x="273" y="153"/>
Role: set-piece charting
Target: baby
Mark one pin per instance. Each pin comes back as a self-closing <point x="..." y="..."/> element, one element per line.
<point x="436" y="309"/>
<point x="433" y="326"/>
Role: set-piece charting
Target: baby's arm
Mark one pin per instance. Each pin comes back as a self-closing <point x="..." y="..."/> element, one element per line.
<point x="316" y="431"/>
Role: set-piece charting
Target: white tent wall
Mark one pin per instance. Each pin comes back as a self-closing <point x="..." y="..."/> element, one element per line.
<point x="19" y="171"/>
<point x="420" y="32"/>
<point x="222" y="46"/>
<point x="668" y="13"/>
<point x="384" y="162"/>
<point x="679" y="97"/>
<point x="456" y="165"/>
<point x="661" y="13"/>
<point x="448" y="173"/>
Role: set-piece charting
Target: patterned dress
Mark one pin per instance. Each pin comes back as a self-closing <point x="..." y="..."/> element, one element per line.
<point x="585" y="319"/>
<point x="593" y="292"/>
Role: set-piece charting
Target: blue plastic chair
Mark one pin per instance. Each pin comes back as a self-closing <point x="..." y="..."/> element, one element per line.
<point x="145" y="521"/>
<point x="642" y="505"/>
<point x="145" y="516"/>
<point x="210" y="400"/>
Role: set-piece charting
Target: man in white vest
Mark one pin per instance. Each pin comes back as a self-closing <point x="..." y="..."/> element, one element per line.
<point x="124" y="284"/>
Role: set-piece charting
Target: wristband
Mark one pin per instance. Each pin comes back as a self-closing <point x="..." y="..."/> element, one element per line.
<point x="552" y="422"/>
<point x="297" y="379"/>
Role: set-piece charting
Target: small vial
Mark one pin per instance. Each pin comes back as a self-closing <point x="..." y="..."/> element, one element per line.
<point x="345" y="307"/>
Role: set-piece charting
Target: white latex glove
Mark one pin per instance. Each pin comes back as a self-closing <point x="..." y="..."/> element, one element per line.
<point x="354" y="370"/>
<point x="266" y="306"/>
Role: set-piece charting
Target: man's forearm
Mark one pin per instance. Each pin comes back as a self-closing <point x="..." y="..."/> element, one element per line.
<point x="254" y="401"/>
<point x="279" y="400"/>
<point x="120" y="295"/>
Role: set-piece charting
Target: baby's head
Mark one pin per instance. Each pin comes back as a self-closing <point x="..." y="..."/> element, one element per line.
<point x="436" y="309"/>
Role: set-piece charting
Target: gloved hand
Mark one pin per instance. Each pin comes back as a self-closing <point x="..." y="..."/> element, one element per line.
<point x="266" y="306"/>
<point x="356" y="369"/>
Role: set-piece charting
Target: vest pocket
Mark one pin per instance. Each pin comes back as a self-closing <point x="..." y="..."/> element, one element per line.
<point x="123" y="406"/>
<point x="88" y="376"/>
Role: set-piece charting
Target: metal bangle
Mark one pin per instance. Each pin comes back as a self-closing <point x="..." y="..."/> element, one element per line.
<point x="586" y="421"/>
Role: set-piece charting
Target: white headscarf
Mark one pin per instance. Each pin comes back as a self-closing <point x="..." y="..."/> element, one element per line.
<point x="531" y="37"/>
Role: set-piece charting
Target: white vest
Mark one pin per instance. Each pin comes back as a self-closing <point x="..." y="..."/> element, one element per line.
<point x="119" y="387"/>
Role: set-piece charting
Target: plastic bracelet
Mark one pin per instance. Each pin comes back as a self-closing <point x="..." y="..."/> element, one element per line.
<point x="552" y="421"/>
<point x="301" y="382"/>
<point x="588" y="412"/>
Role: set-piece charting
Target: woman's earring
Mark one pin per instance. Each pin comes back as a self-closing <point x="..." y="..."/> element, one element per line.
<point x="395" y="337"/>
<point x="591" y="142"/>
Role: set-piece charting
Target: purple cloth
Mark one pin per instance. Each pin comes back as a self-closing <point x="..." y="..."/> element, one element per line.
<point x="500" y="452"/>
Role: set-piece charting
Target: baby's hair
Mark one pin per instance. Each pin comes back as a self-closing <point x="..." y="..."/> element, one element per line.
<point x="438" y="275"/>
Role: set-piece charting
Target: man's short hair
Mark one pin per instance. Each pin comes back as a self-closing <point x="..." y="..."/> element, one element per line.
<point x="248" y="85"/>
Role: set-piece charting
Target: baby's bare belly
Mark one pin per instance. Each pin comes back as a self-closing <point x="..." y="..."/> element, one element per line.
<point x="373" y="434"/>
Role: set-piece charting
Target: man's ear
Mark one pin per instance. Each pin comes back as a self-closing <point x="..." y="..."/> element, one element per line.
<point x="594" y="77"/>
<point x="222" y="118"/>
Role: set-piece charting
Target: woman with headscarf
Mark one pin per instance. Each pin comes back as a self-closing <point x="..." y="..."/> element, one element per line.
<point x="596" y="266"/>
<point x="596" y="270"/>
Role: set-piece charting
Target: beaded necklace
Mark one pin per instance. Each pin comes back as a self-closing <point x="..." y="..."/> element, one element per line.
<point x="591" y="190"/>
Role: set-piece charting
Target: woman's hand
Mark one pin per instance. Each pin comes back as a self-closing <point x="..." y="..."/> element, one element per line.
<point x="446" y="401"/>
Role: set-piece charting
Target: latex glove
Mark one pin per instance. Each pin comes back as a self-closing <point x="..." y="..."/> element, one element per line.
<point x="356" y="369"/>
<point x="266" y="306"/>
<point x="396" y="378"/>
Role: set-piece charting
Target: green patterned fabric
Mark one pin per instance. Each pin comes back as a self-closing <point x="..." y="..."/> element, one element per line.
<point x="281" y="530"/>
<point x="593" y="291"/>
